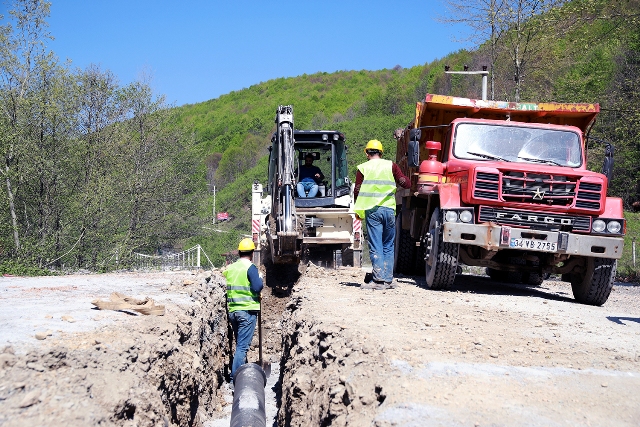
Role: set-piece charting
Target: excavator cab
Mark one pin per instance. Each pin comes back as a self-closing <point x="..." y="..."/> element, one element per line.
<point x="330" y="156"/>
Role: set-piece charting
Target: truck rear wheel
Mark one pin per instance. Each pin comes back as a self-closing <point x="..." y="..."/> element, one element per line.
<point x="594" y="285"/>
<point x="441" y="257"/>
<point x="405" y="249"/>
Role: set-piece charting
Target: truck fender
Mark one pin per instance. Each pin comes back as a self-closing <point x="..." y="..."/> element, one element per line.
<point x="449" y="195"/>
<point x="613" y="208"/>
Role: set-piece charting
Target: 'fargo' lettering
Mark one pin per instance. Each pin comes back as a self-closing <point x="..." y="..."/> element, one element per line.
<point x="534" y="218"/>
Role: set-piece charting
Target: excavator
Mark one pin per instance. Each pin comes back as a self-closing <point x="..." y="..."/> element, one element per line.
<point x="289" y="227"/>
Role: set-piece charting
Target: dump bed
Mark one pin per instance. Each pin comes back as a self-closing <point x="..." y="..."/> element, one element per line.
<point x="437" y="110"/>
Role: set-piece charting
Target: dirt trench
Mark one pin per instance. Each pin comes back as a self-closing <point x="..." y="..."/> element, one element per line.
<point x="142" y="370"/>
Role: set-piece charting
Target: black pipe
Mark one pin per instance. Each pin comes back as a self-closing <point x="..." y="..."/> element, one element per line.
<point x="248" y="397"/>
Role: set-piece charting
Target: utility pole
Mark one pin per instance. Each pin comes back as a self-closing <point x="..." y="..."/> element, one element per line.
<point x="484" y="73"/>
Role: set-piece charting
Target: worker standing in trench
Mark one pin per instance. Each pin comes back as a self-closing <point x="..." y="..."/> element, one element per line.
<point x="244" y="285"/>
<point x="374" y="193"/>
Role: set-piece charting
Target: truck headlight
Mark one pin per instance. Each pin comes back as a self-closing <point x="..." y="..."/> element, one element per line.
<point x="598" y="226"/>
<point x="614" y="227"/>
<point x="466" y="216"/>
<point x="451" y="216"/>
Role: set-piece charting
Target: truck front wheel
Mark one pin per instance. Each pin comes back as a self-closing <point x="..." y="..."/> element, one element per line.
<point x="594" y="285"/>
<point x="441" y="257"/>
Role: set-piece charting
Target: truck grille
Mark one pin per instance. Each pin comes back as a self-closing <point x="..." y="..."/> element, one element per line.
<point x="487" y="186"/>
<point x="536" y="220"/>
<point x="537" y="189"/>
<point x="589" y="196"/>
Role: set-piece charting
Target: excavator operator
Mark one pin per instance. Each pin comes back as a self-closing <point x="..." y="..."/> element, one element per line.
<point x="309" y="178"/>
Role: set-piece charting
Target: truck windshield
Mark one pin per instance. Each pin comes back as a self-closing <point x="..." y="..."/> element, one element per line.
<point x="517" y="144"/>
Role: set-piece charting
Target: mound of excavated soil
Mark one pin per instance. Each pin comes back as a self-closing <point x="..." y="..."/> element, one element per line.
<point x="105" y="367"/>
<point x="481" y="354"/>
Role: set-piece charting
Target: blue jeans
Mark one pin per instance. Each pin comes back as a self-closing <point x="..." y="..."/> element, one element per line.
<point x="309" y="186"/>
<point x="243" y="324"/>
<point x="381" y="231"/>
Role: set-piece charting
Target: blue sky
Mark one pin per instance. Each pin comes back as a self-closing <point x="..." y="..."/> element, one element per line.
<point x="196" y="50"/>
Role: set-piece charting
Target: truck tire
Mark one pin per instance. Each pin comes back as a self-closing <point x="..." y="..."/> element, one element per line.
<point x="496" y="275"/>
<point x="594" y="286"/>
<point x="442" y="258"/>
<point x="532" y="279"/>
<point x="405" y="250"/>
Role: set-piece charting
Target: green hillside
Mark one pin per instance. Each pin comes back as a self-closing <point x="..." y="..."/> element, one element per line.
<point x="581" y="63"/>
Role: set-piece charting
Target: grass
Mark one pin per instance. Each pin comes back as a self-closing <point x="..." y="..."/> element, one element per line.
<point x="627" y="272"/>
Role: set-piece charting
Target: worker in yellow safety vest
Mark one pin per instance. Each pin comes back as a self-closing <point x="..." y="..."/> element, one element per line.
<point x="243" y="300"/>
<point x="374" y="191"/>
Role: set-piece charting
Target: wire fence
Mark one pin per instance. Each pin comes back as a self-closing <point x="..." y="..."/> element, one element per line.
<point x="192" y="258"/>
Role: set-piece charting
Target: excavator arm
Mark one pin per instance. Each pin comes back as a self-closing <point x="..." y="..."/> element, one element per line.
<point x="285" y="234"/>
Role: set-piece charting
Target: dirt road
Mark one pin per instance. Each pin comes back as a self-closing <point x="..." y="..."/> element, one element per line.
<point x="482" y="354"/>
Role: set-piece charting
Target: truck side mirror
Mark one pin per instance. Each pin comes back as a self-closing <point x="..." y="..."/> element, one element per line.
<point x="413" y="153"/>
<point x="607" y="165"/>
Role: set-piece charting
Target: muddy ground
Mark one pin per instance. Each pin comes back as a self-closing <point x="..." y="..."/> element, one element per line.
<point x="483" y="354"/>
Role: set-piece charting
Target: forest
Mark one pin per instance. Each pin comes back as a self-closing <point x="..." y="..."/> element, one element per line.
<point x="95" y="171"/>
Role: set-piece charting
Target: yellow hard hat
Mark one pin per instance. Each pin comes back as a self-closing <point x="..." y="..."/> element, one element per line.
<point x="374" y="144"/>
<point x="246" y="245"/>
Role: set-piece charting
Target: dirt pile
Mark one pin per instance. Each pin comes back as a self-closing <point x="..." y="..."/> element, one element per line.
<point x="485" y="353"/>
<point x="143" y="371"/>
<point x="325" y="381"/>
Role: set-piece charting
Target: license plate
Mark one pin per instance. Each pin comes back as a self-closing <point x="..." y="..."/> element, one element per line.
<point x="534" y="245"/>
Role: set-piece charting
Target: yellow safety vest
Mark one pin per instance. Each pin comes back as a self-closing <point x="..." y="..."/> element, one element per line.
<point x="239" y="295"/>
<point x="378" y="187"/>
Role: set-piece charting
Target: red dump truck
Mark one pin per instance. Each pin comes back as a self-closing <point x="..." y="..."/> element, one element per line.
<point x="505" y="186"/>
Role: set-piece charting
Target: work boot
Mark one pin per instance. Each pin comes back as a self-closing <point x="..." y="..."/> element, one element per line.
<point x="374" y="286"/>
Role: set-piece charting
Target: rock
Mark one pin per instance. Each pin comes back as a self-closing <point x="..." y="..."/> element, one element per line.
<point x="30" y="399"/>
<point x="68" y="318"/>
<point x="7" y="360"/>
<point x="367" y="399"/>
<point x="494" y="355"/>
<point x="42" y="335"/>
<point x="336" y="390"/>
<point x="35" y="366"/>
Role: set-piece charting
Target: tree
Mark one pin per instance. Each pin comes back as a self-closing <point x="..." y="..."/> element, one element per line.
<point x="508" y="24"/>
<point x="156" y="169"/>
<point x="22" y="55"/>
<point x="486" y="19"/>
<point x="525" y="34"/>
